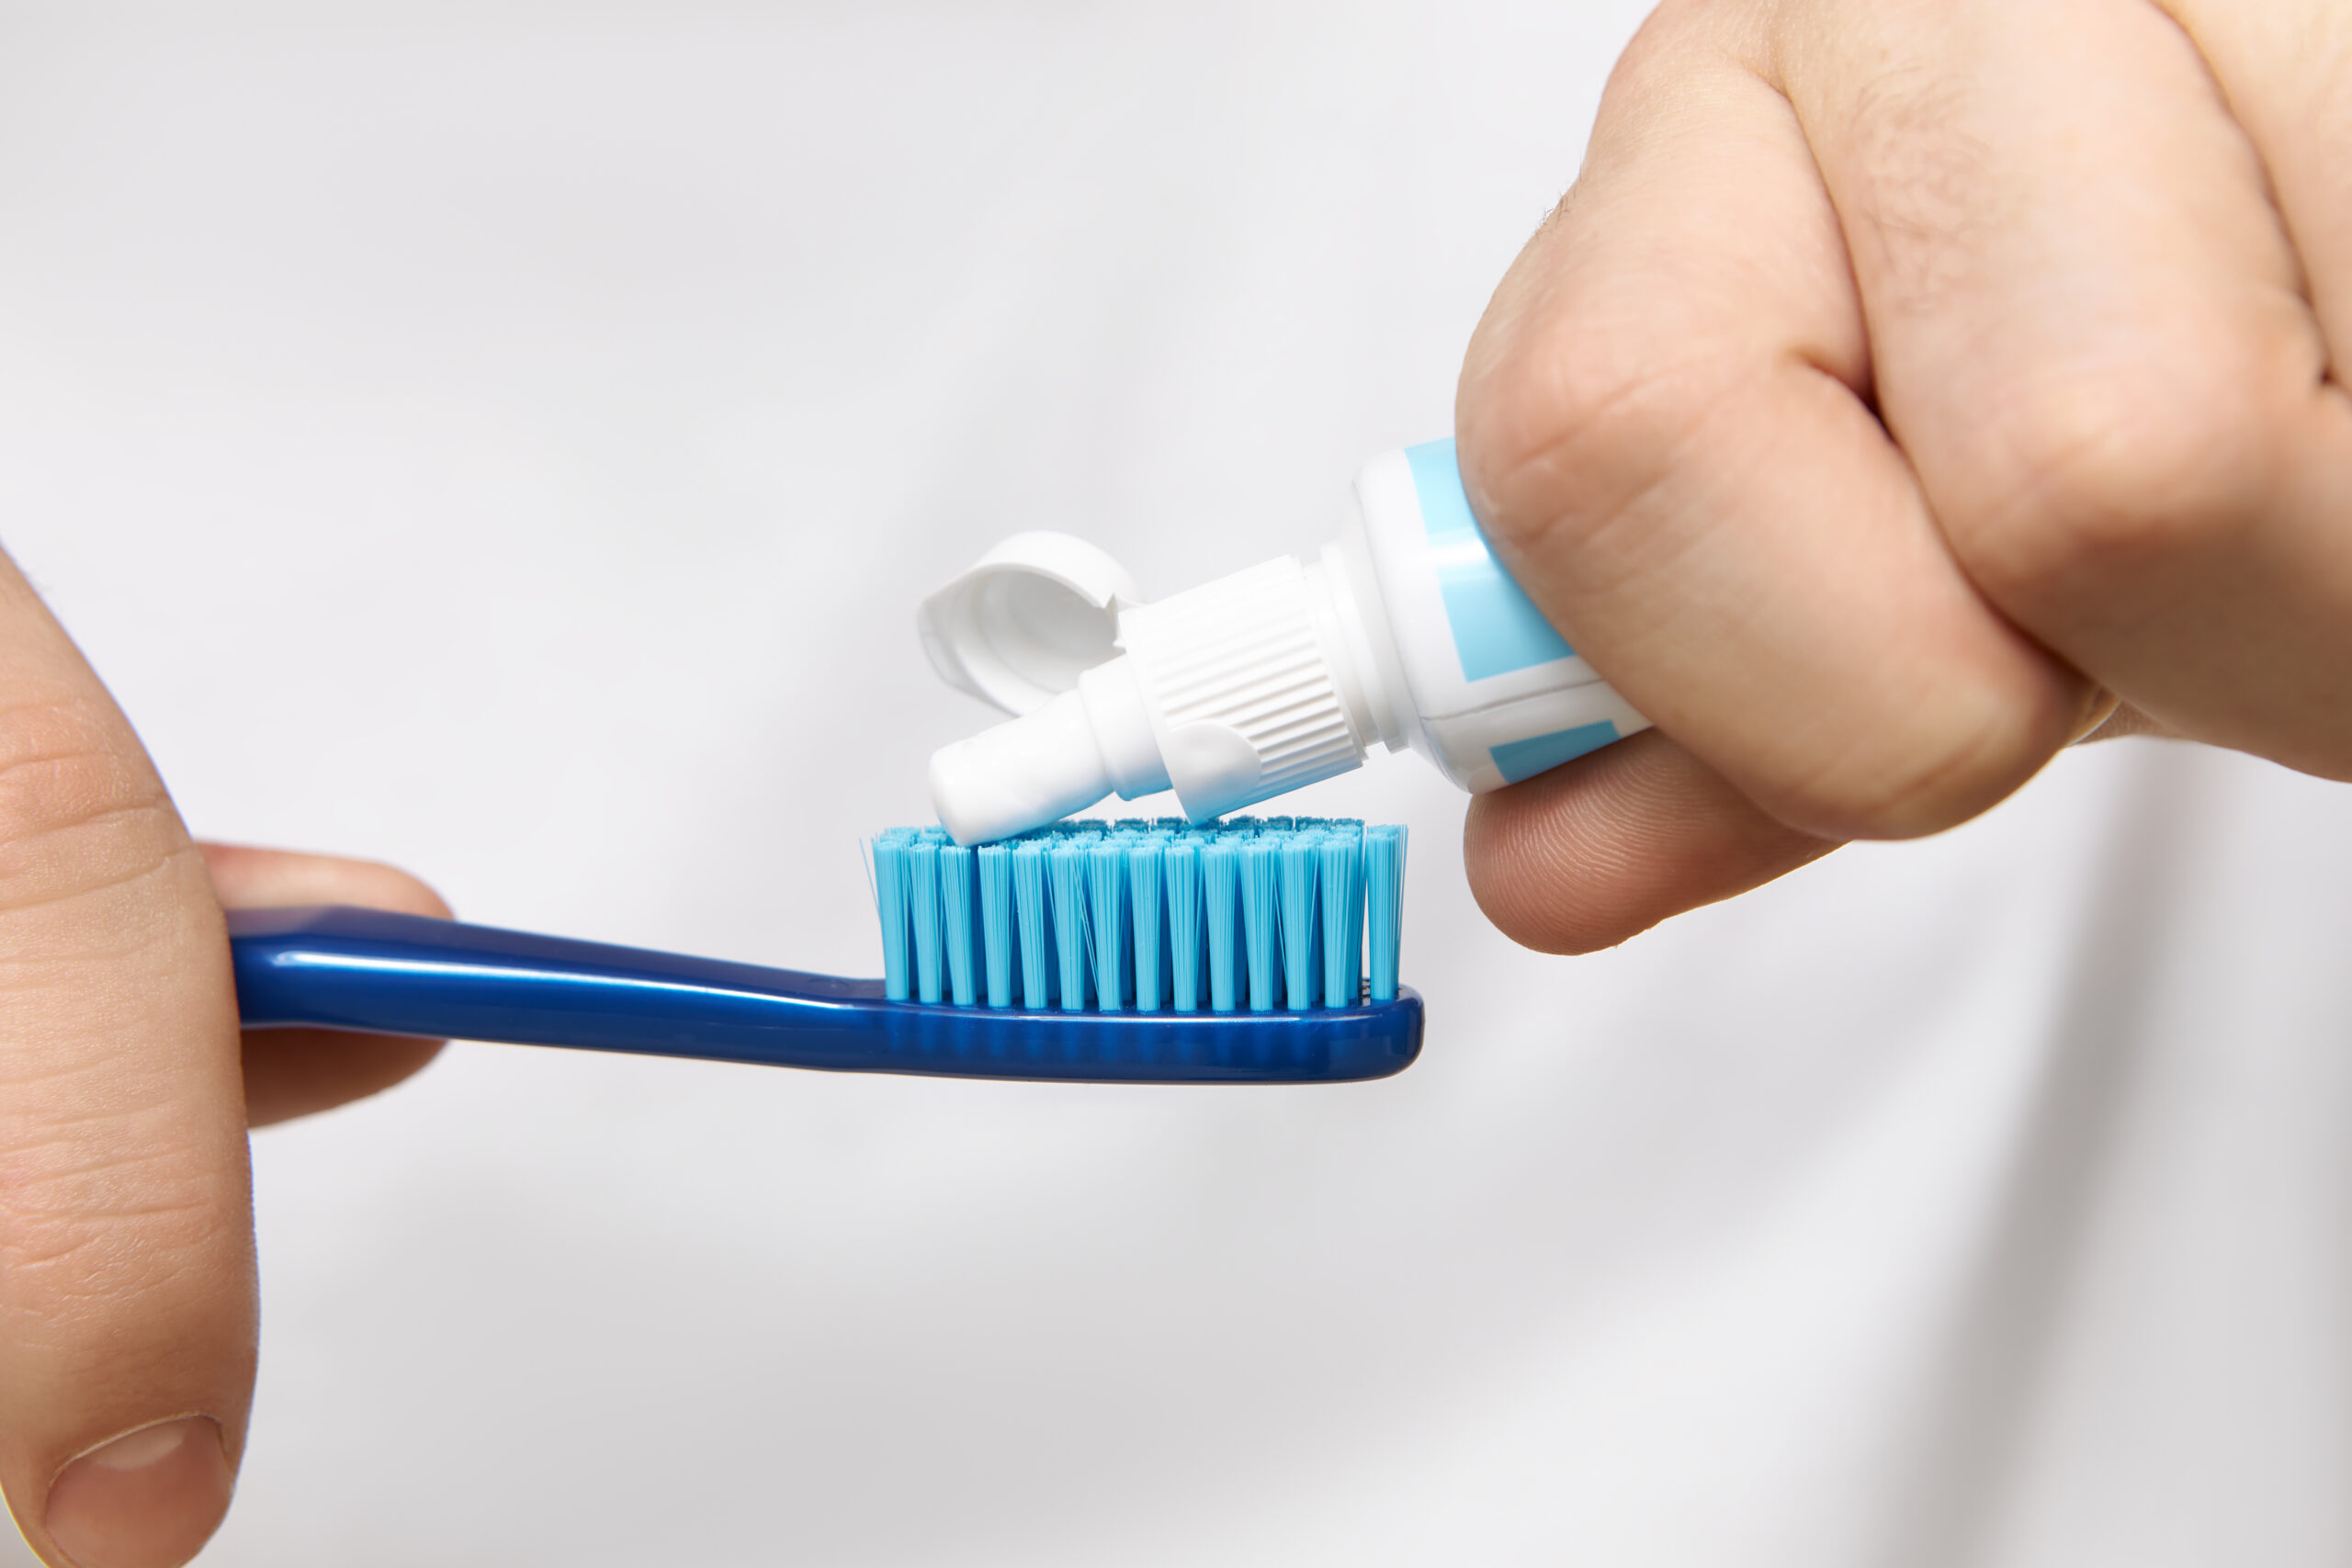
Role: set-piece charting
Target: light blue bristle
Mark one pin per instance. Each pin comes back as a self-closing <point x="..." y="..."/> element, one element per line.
<point x="1149" y="927"/>
<point x="1179" y="862"/>
<point x="1297" y="885"/>
<point x="1033" y="919"/>
<point x="1266" y="914"/>
<point x="997" y="935"/>
<point x="1340" y="857"/>
<point x="1066" y="879"/>
<point x="959" y="925"/>
<point x="1383" y="876"/>
<point x="1356" y="913"/>
<point x="930" y="961"/>
<point x="1221" y="900"/>
<point x="1106" y="908"/>
<point x="1261" y="918"/>
<point x="891" y="875"/>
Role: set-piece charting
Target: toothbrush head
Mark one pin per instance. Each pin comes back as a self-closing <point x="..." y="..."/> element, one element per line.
<point x="1251" y="914"/>
<point x="1262" y="949"/>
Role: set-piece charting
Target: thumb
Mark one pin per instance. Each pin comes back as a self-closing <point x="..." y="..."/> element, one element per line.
<point x="127" y="1290"/>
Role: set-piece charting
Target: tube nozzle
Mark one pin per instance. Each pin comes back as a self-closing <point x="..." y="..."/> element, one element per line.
<point x="1021" y="774"/>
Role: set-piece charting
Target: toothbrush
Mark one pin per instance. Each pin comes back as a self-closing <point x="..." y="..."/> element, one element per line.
<point x="1268" y="982"/>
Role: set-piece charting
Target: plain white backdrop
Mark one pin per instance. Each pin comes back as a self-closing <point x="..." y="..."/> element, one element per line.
<point x="509" y="439"/>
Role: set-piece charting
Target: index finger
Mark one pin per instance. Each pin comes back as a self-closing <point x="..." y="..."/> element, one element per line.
<point x="294" y="1072"/>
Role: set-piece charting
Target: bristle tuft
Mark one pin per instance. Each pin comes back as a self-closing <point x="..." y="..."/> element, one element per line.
<point x="1147" y="910"/>
<point x="1221" y="894"/>
<point x="930" y="979"/>
<point x="1106" y="907"/>
<point x="1260" y="933"/>
<point x="998" y="937"/>
<point x="1179" y="873"/>
<point x="959" y="931"/>
<point x="1383" y="883"/>
<point x="1065" y="871"/>
<point x="892" y="855"/>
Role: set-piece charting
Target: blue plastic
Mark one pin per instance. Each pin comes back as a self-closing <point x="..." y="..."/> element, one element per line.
<point x="1497" y="628"/>
<point x="1517" y="760"/>
<point x="334" y="967"/>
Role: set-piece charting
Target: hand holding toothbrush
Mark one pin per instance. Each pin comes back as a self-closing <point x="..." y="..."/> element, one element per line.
<point x="127" y="1285"/>
<point x="1898" y="388"/>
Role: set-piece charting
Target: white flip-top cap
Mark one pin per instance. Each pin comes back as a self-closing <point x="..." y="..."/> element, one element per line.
<point x="1020" y="624"/>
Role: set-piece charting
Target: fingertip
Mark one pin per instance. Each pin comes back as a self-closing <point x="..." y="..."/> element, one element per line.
<point x="245" y="876"/>
<point x="295" y="1072"/>
<point x="1589" y="854"/>
<point x="300" y="1072"/>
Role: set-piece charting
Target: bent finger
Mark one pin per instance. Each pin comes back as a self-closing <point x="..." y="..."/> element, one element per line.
<point x="293" y="1072"/>
<point x="2092" y="339"/>
<point x="1663" y="428"/>
<point x="2281" y="68"/>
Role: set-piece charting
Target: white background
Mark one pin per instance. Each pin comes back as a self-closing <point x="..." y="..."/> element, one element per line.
<point x="510" y="439"/>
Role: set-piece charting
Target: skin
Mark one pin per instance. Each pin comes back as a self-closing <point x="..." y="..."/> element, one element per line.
<point x="127" y="1288"/>
<point x="1901" y="386"/>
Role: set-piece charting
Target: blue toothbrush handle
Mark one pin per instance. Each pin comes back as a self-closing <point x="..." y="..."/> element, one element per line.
<point x="334" y="968"/>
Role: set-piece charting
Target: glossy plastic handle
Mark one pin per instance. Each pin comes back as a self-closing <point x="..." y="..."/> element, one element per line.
<point x="335" y="968"/>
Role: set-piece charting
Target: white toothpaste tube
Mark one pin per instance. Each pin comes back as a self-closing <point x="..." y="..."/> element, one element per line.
<point x="1404" y="632"/>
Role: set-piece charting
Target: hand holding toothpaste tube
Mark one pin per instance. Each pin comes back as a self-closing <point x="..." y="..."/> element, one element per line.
<point x="1897" y="389"/>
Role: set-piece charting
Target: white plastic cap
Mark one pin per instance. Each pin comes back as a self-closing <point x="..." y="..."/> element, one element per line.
<point x="1018" y="775"/>
<point x="1020" y="626"/>
<point x="1229" y="692"/>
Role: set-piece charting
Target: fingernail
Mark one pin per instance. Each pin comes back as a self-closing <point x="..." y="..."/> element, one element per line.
<point x="2098" y="707"/>
<point x="147" y="1499"/>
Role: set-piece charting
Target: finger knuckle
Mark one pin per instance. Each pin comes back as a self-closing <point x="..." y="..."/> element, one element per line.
<point x="2094" y="476"/>
<point x="80" y="810"/>
<point x="1888" y="786"/>
<point x="1915" y="184"/>
<point x="1568" y="429"/>
<point x="88" y="1212"/>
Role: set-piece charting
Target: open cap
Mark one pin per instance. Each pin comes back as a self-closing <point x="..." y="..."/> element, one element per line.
<point x="1017" y="627"/>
